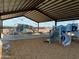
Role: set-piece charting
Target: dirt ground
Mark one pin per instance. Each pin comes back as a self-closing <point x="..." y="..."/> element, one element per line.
<point x="38" y="49"/>
<point x="0" y="52"/>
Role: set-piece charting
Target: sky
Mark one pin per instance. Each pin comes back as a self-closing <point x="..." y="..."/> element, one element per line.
<point x="24" y="20"/>
<point x="19" y="20"/>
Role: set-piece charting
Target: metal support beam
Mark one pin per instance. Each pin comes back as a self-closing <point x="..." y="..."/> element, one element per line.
<point x="45" y="14"/>
<point x="13" y="12"/>
<point x="55" y="23"/>
<point x="38" y="27"/>
<point x="1" y="26"/>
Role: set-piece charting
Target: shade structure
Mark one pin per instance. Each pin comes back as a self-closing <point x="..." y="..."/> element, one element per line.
<point x="40" y="10"/>
<point x="37" y="16"/>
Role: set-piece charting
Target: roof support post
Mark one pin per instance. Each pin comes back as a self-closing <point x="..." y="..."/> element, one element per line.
<point x="55" y="23"/>
<point x="1" y="26"/>
<point x="38" y="26"/>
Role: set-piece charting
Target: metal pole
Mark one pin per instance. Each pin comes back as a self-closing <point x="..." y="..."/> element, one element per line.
<point x="55" y="23"/>
<point x="38" y="27"/>
<point x="1" y="26"/>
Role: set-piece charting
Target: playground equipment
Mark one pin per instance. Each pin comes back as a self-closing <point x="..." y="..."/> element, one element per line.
<point x="65" y="33"/>
<point x="23" y="28"/>
<point x="23" y="31"/>
<point x="54" y="35"/>
<point x="73" y="29"/>
<point x="19" y="28"/>
<point x="64" y="38"/>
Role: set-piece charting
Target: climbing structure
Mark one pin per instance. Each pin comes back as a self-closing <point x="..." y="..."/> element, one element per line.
<point x="64" y="34"/>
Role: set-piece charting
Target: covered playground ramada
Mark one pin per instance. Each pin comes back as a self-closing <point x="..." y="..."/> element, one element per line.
<point x="38" y="11"/>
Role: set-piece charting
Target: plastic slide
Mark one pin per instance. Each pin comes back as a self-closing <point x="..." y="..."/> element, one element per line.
<point x="66" y="40"/>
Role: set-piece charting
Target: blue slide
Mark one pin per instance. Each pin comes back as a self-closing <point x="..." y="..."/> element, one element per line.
<point x="66" y="40"/>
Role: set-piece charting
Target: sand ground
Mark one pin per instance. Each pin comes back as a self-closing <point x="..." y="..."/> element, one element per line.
<point x="38" y="49"/>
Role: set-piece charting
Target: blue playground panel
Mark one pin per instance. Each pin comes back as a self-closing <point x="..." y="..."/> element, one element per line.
<point x="77" y="34"/>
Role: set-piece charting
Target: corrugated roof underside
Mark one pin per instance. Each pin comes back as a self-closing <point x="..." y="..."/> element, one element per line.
<point x="40" y="10"/>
